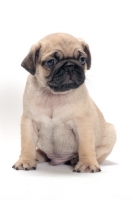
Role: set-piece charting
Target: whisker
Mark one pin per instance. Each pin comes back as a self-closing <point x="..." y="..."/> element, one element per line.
<point x="88" y="81"/>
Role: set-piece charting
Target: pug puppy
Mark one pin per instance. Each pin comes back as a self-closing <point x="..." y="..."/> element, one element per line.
<point x="60" y="121"/>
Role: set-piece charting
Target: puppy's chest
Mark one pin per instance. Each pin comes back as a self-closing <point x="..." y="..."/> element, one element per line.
<point x="57" y="138"/>
<point x="54" y="119"/>
<point x="48" y="106"/>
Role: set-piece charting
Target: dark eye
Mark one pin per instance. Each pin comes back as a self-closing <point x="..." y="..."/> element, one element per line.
<point x="82" y="60"/>
<point x="50" y="63"/>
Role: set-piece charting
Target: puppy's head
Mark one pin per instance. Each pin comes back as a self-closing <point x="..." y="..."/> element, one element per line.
<point x="59" y="62"/>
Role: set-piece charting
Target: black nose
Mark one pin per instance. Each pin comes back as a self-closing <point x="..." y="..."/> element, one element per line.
<point x="69" y="68"/>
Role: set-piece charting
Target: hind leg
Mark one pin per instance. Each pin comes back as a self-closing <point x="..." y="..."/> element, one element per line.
<point x="107" y="143"/>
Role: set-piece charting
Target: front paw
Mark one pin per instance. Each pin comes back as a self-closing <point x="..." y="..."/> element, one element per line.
<point x="85" y="166"/>
<point x="25" y="164"/>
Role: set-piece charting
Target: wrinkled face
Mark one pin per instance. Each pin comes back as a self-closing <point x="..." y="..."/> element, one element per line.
<point x="60" y="62"/>
<point x="64" y="73"/>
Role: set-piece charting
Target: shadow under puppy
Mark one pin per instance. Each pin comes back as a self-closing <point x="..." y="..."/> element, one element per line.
<point x="60" y="121"/>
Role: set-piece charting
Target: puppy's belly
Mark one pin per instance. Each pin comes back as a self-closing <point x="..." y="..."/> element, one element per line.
<point x="58" y="141"/>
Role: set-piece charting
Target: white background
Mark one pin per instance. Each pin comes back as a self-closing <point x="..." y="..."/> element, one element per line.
<point x="107" y="26"/>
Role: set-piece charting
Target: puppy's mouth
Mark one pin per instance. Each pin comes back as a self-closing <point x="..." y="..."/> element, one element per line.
<point x="67" y="75"/>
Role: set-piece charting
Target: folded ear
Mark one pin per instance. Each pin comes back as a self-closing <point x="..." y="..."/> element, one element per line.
<point x="87" y="51"/>
<point x="29" y="62"/>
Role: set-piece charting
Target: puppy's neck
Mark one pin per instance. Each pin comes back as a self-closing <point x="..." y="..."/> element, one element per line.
<point x="47" y="96"/>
